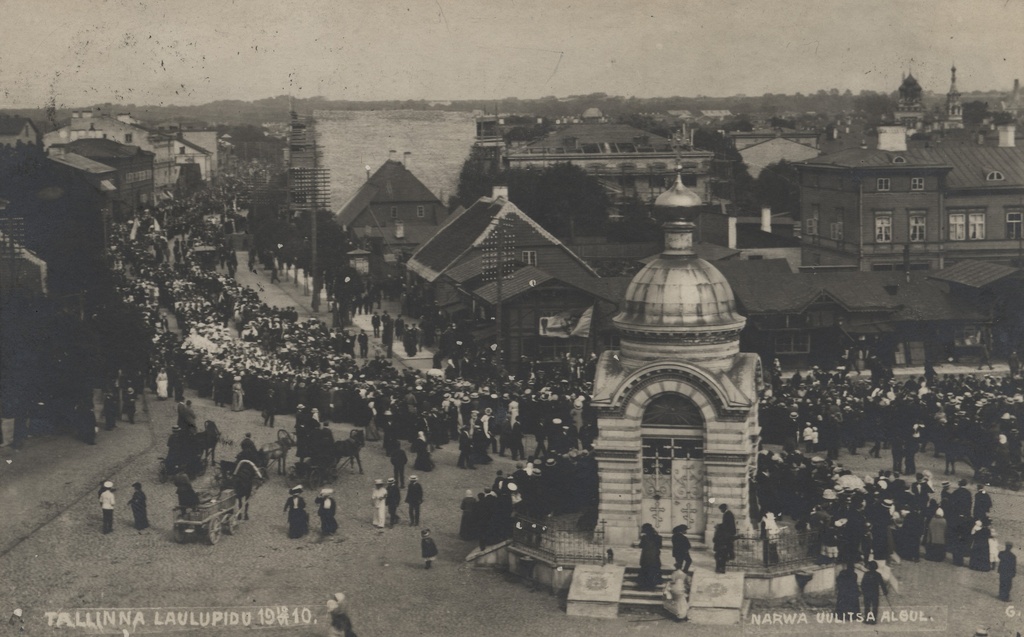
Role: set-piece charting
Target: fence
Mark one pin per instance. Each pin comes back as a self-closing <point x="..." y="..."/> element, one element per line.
<point x="558" y="543"/>
<point x="789" y="548"/>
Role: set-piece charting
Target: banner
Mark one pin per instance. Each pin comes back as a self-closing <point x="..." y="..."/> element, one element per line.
<point x="566" y="324"/>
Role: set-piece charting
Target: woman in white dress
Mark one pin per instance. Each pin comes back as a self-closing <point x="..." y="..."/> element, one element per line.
<point x="161" y="384"/>
<point x="676" y="593"/>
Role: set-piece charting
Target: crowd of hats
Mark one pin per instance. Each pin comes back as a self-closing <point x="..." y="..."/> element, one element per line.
<point x="974" y="417"/>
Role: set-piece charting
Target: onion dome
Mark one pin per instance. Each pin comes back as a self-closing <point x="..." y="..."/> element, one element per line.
<point x="678" y="196"/>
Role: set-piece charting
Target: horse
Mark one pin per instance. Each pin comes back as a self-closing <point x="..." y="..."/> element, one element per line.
<point x="205" y="442"/>
<point x="277" y="452"/>
<point x="349" y="449"/>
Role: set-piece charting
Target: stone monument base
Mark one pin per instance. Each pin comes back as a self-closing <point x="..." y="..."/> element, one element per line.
<point x="716" y="598"/>
<point x="595" y="591"/>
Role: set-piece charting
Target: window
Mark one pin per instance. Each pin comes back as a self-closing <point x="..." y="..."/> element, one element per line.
<point x="836" y="231"/>
<point x="1014" y="224"/>
<point x="127" y="138"/>
<point x="917" y="183"/>
<point x="995" y="175"/>
<point x="898" y="159"/>
<point x="181" y="150"/>
<point x="957" y="227"/>
<point x="976" y="226"/>
<point x="421" y="211"/>
<point x="811" y="223"/>
<point x="883" y="228"/>
<point x="394" y="212"/>
<point x="792" y="343"/>
<point x="882" y="184"/>
<point x="917" y="226"/>
<point x="530" y="257"/>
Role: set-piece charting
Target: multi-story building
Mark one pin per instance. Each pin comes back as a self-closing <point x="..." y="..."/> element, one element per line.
<point x="761" y="148"/>
<point x="630" y="163"/>
<point x="171" y="149"/>
<point x="892" y="208"/>
<point x="132" y="166"/>
<point x="393" y="211"/>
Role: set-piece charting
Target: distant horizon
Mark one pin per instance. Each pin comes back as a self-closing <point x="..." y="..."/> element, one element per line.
<point x="193" y="52"/>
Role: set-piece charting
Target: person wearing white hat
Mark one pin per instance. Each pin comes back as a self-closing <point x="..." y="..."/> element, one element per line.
<point x="341" y="625"/>
<point x="327" y="509"/>
<point x="107" y="503"/>
<point x="298" y="518"/>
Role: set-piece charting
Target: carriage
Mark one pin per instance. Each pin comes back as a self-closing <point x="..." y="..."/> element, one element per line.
<point x="223" y="512"/>
<point x="324" y="468"/>
<point x="220" y="514"/>
<point x="194" y="457"/>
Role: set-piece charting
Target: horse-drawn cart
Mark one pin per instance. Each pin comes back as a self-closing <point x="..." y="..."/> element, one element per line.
<point x="220" y="514"/>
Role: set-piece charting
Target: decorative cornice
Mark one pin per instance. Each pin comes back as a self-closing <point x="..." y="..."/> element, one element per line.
<point x="639" y="382"/>
<point x="716" y="337"/>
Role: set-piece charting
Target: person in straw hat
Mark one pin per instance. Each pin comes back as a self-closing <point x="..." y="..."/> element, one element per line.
<point x="327" y="509"/>
<point x="378" y="497"/>
<point x="341" y="625"/>
<point x="298" y="518"/>
<point x="107" y="503"/>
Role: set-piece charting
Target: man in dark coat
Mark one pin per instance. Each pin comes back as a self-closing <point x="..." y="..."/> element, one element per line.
<point x="847" y="593"/>
<point x="982" y="503"/>
<point x="364" y="343"/>
<point x="398" y="460"/>
<point x="392" y="499"/>
<point x="728" y="529"/>
<point x="870" y="585"/>
<point x="1007" y="571"/>
<point x="414" y="498"/>
<point x="681" y="548"/>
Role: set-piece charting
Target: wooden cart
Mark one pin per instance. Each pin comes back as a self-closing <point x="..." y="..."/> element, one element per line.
<point x="221" y="514"/>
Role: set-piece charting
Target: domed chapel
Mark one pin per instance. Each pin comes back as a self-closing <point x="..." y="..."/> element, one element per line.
<point x="677" y="402"/>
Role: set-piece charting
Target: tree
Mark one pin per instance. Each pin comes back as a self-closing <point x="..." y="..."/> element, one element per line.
<point x="476" y="179"/>
<point x="974" y="112"/>
<point x="777" y="187"/>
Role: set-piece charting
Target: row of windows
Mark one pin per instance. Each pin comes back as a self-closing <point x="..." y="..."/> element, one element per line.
<point x="884" y="184"/>
<point x="962" y="226"/>
<point x="138" y="175"/>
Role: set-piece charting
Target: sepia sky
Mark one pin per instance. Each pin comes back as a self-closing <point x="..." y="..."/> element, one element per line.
<point x="80" y="52"/>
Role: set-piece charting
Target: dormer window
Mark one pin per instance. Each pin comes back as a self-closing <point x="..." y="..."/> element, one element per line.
<point x="899" y="160"/>
<point x="994" y="175"/>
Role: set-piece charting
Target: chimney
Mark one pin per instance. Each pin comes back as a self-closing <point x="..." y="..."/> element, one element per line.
<point x="892" y="138"/>
<point x="406" y="156"/>
<point x="500" y="192"/>
<point x="1006" y="135"/>
<point x="766" y="219"/>
<point x="392" y="155"/>
<point x="732" y="232"/>
<point x="399" y="229"/>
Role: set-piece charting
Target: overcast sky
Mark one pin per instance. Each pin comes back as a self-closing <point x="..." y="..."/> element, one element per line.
<point x="79" y="52"/>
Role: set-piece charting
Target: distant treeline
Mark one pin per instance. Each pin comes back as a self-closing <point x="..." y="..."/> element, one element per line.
<point x="275" y="109"/>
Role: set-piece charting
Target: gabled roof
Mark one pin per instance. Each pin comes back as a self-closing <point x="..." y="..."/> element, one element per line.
<point x="392" y="183"/>
<point x="78" y="162"/>
<point x="194" y="146"/>
<point x="13" y="125"/>
<point x="462" y="232"/>
<point x="974" y="274"/>
<point x="786" y="139"/>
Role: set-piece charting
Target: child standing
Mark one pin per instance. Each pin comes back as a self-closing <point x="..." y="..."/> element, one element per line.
<point x="427" y="547"/>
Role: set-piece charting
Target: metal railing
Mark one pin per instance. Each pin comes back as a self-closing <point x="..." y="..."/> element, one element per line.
<point x="788" y="549"/>
<point x="558" y="543"/>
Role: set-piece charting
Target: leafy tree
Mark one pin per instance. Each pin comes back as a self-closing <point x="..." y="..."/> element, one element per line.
<point x="974" y="112"/>
<point x="777" y="186"/>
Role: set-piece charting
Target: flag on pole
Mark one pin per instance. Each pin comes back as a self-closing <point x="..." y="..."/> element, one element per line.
<point x="566" y="324"/>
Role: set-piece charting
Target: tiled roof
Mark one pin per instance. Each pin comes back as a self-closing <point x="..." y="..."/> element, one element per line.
<point x="392" y="183"/>
<point x="13" y="125"/>
<point x="470" y="268"/>
<point x="461" y="232"/>
<point x="192" y="145"/>
<point x="520" y="281"/>
<point x="457" y="235"/>
<point x="706" y="251"/>
<point x="103" y="148"/>
<point x="975" y="274"/>
<point x="78" y="162"/>
<point x="885" y="292"/>
<point x="970" y="164"/>
<point x="599" y="134"/>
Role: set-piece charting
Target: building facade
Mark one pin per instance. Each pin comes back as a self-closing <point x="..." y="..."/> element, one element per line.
<point x="892" y="208"/>
<point x="133" y="169"/>
<point x="18" y="129"/>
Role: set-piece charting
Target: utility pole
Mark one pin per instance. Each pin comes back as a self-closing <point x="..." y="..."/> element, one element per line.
<point x="315" y="303"/>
